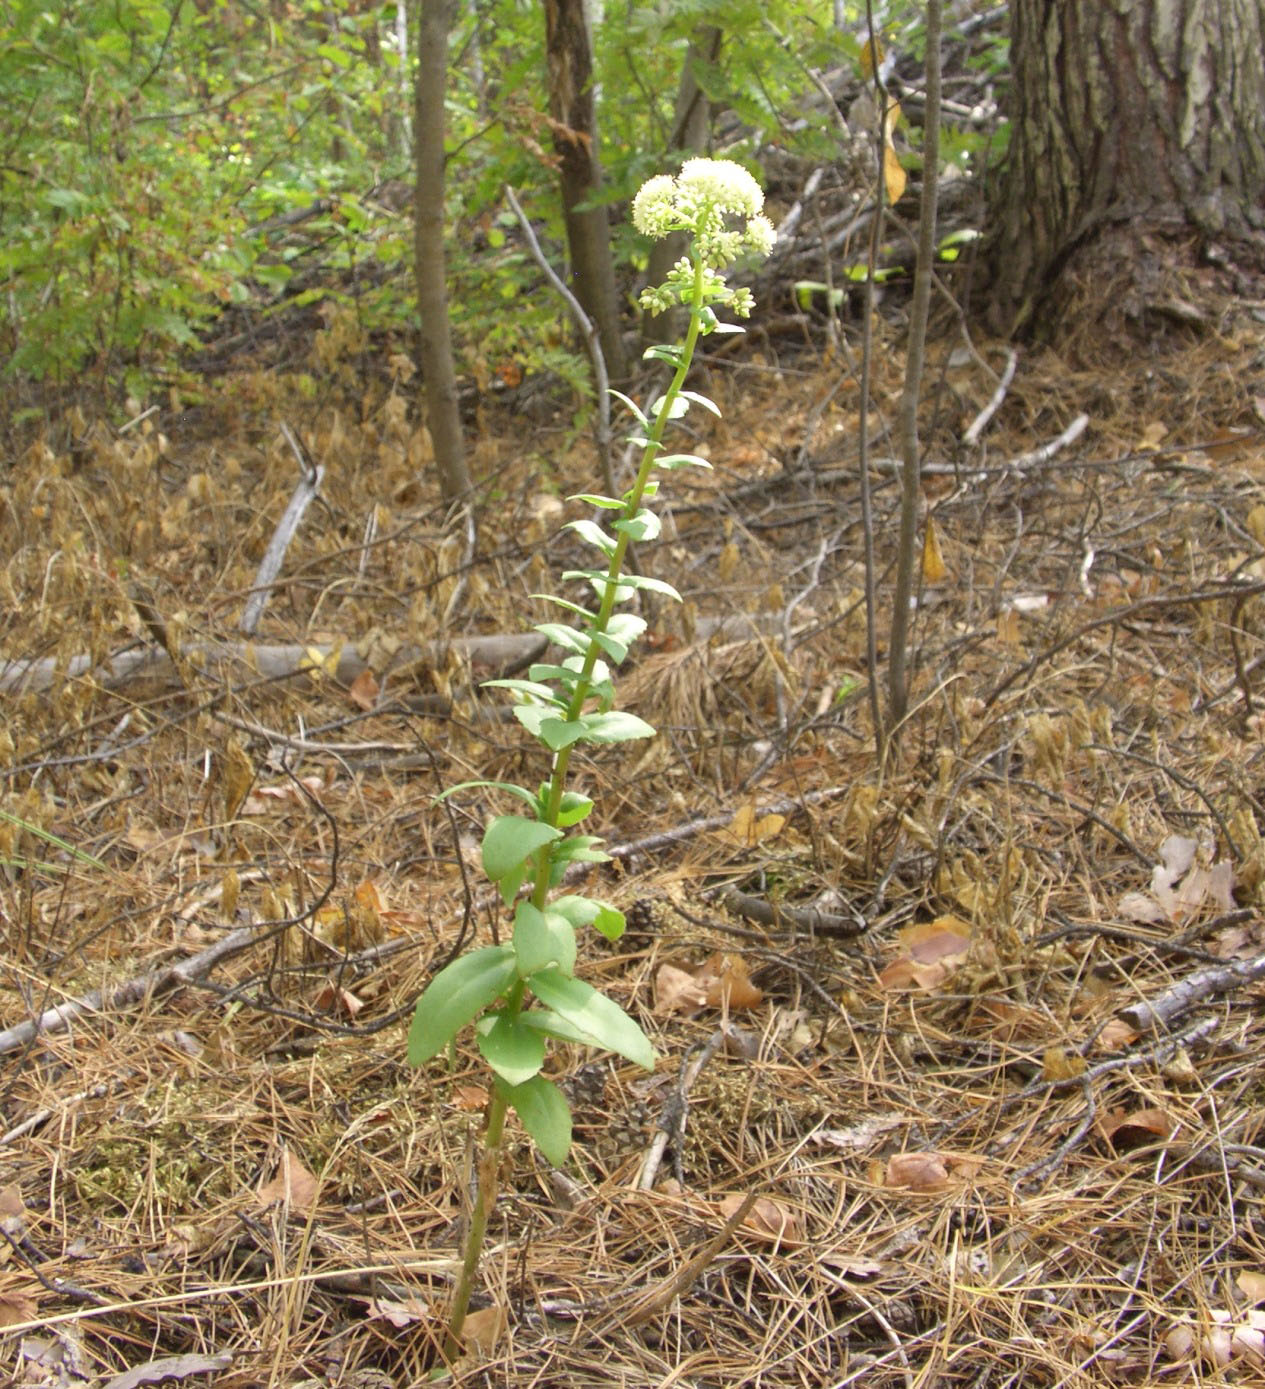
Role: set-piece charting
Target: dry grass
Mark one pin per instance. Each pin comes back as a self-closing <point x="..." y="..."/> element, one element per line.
<point x="244" y="1164"/>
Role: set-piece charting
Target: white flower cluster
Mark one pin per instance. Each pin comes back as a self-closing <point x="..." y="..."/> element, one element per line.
<point x="701" y="200"/>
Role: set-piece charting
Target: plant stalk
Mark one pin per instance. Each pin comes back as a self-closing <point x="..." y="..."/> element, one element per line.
<point x="484" y="1203"/>
<point x="580" y="694"/>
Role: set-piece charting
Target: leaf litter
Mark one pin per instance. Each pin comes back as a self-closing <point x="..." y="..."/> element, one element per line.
<point x="967" y="1159"/>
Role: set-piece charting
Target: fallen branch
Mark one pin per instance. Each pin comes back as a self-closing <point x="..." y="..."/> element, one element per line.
<point x="810" y="920"/>
<point x="148" y="985"/>
<point x="310" y="477"/>
<point x="1158" y="1014"/>
<point x="267" y="661"/>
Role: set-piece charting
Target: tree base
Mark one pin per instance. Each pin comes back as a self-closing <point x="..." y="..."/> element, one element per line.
<point x="1154" y="288"/>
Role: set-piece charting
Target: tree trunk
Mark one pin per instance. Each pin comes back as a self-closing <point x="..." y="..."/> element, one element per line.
<point x="439" y="376"/>
<point x="1137" y="129"/>
<point x="691" y="125"/>
<point x="569" y="56"/>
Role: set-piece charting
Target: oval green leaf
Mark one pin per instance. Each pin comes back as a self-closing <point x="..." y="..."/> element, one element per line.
<point x="544" y="1114"/>
<point x="510" y="840"/>
<point x="457" y="994"/>
<point x="595" y="1014"/>
<point x="515" y="1053"/>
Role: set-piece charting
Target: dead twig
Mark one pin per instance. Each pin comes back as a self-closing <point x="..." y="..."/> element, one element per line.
<point x="311" y="475"/>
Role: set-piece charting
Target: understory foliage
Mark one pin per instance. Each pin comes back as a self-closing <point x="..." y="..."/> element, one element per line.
<point x="165" y="162"/>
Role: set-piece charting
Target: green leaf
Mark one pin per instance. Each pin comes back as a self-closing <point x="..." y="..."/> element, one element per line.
<point x="651" y="585"/>
<point x="578" y="849"/>
<point x="566" y="637"/>
<point x="703" y="401"/>
<point x="644" y="526"/>
<point x="521" y="792"/>
<point x="588" y="911"/>
<point x="573" y="809"/>
<point x="515" y="1053"/>
<point x="633" y="406"/>
<point x="532" y="717"/>
<point x="527" y="687"/>
<point x="565" y="603"/>
<point x="594" y="534"/>
<point x="663" y="352"/>
<point x="613" y="647"/>
<point x="544" y="1114"/>
<point x="592" y="1012"/>
<point x="550" y="1024"/>
<point x="541" y="939"/>
<point x="457" y="994"/>
<point x="594" y="499"/>
<point x="680" y="404"/>
<point x="510" y="840"/>
<point x="599" y="578"/>
<point x="557" y="734"/>
<point x="670" y="462"/>
<point x="615" y="727"/>
<point x="626" y="627"/>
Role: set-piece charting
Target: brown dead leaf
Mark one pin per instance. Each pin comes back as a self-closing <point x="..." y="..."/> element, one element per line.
<point x="922" y="1172"/>
<point x="1251" y="1285"/>
<point x="1116" y="1035"/>
<point x="470" y="1098"/>
<point x="331" y="999"/>
<point x="17" y="1307"/>
<point x="364" y="690"/>
<point x="12" y="1210"/>
<point x="400" y="1314"/>
<point x="767" y="1218"/>
<point x="932" y="951"/>
<point x="1008" y="627"/>
<point x="169" y="1367"/>
<point x="1059" y="1064"/>
<point x="484" y="1329"/>
<point x="1227" y="1338"/>
<point x="1125" y="1131"/>
<point x="267" y="800"/>
<point x="677" y="991"/>
<point x="293" y="1184"/>
<point x="727" y="983"/>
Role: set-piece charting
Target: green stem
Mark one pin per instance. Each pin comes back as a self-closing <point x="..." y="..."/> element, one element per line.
<point x="583" y="686"/>
<point x="498" y="1104"/>
<point x="484" y="1203"/>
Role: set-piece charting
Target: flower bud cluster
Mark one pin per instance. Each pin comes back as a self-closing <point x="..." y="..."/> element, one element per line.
<point x="704" y="200"/>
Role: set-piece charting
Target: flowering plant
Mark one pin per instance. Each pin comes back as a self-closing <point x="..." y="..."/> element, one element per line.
<point x="524" y="993"/>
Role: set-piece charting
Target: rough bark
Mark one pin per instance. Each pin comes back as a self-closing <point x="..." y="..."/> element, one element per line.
<point x="439" y="376"/>
<point x="1133" y="122"/>
<point x="569" y="56"/>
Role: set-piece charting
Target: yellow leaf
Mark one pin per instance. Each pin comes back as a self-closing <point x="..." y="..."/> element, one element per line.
<point x="1057" y="1064"/>
<point x="871" y="57"/>
<point x="893" y="176"/>
<point x="891" y="120"/>
<point x="750" y="829"/>
<point x="237" y="779"/>
<point x="315" y="659"/>
<point x="934" y="569"/>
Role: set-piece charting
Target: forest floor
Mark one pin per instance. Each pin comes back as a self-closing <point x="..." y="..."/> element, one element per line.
<point x="998" y="1097"/>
